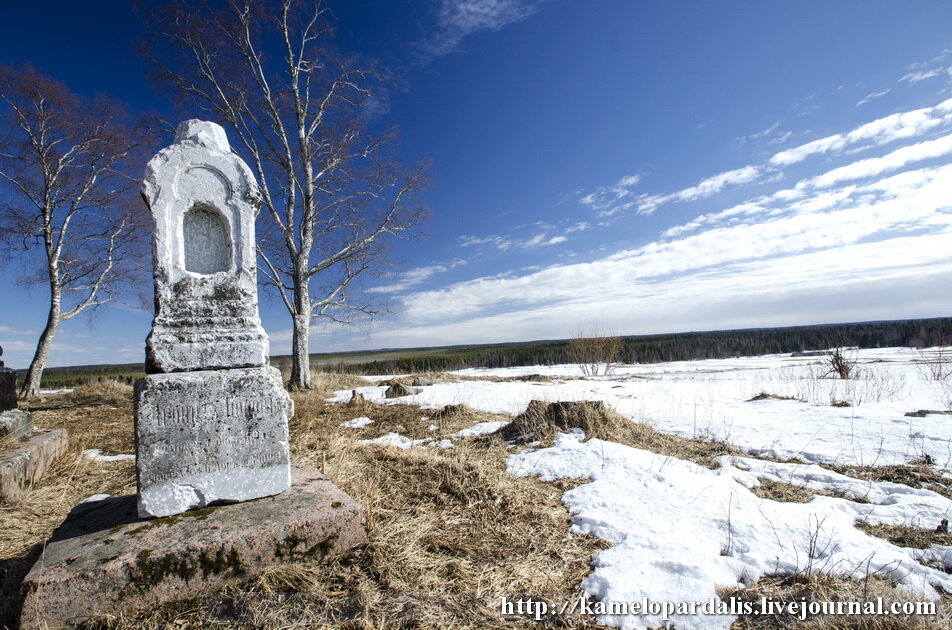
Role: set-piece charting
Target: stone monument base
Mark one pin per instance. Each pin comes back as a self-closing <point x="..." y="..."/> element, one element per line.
<point x="210" y="436"/>
<point x="24" y="460"/>
<point x="104" y="560"/>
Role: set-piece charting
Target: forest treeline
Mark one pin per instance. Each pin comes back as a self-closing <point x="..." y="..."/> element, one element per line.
<point x="917" y="333"/>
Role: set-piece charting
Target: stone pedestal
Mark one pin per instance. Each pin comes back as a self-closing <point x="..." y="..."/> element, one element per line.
<point x="210" y="436"/>
<point x="8" y="388"/>
<point x="103" y="560"/>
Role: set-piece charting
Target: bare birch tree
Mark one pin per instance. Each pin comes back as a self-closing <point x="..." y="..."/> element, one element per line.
<point x="64" y="201"/>
<point x="333" y="196"/>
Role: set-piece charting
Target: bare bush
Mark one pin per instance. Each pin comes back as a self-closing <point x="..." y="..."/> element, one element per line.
<point x="935" y="366"/>
<point x="841" y="365"/>
<point x="594" y="352"/>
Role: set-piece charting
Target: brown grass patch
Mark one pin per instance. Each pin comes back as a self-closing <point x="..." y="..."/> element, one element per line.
<point x="905" y="536"/>
<point x="450" y="531"/>
<point x="543" y="420"/>
<point x="824" y="588"/>
<point x="912" y="475"/>
<point x="797" y="493"/>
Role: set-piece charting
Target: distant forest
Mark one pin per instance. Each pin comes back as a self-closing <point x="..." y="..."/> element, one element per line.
<point x="917" y="333"/>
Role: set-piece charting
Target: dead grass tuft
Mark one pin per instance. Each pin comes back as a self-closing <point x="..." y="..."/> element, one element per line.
<point x="782" y="491"/>
<point x="918" y="475"/>
<point x="797" y="493"/>
<point x="543" y="420"/>
<point x="324" y="384"/>
<point x="825" y="588"/>
<point x="905" y="536"/>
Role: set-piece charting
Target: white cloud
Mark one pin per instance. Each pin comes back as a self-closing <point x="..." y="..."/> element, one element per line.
<point x="773" y="135"/>
<point x="897" y="126"/>
<point x="705" y="188"/>
<point x="872" y="96"/>
<point x="505" y="243"/>
<point x="845" y="224"/>
<point x="606" y="197"/>
<point x="457" y="19"/>
<point x="922" y="75"/>
<point x="891" y="161"/>
<point x="10" y="330"/>
<point x="412" y="277"/>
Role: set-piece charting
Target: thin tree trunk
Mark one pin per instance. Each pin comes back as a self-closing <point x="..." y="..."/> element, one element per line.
<point x="301" y="321"/>
<point x="31" y="384"/>
<point x="300" y="357"/>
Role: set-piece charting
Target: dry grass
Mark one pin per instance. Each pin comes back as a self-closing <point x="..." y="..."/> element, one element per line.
<point x="824" y="588"/>
<point x="797" y="493"/>
<point x="96" y="415"/>
<point x="918" y="475"/>
<point x="543" y="420"/>
<point x="449" y="531"/>
<point x="783" y="491"/>
<point x="905" y="536"/>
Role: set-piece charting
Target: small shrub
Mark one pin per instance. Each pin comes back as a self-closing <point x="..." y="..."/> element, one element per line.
<point x="593" y="352"/>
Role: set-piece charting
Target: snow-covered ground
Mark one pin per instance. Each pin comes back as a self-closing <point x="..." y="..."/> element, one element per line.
<point x="710" y="398"/>
<point x="680" y="531"/>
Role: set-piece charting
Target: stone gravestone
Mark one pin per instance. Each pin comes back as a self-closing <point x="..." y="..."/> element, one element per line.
<point x="211" y="423"/>
<point x="211" y="418"/>
<point x="8" y="387"/>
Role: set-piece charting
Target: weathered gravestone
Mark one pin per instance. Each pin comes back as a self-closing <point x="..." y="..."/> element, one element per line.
<point x="211" y="420"/>
<point x="8" y="387"/>
<point x="26" y="453"/>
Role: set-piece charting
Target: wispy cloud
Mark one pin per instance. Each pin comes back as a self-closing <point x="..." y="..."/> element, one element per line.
<point x="881" y="131"/>
<point x="864" y="233"/>
<point x="705" y="188"/>
<point x="606" y="198"/>
<point x="505" y="243"/>
<point x="873" y="96"/>
<point x="771" y="135"/>
<point x="457" y="19"/>
<point x="415" y="276"/>
<point x="922" y="75"/>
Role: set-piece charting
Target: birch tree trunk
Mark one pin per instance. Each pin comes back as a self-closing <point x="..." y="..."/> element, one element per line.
<point x="34" y="375"/>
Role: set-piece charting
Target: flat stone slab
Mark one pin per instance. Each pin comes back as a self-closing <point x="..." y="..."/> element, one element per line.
<point x="210" y="436"/>
<point x="15" y="423"/>
<point x="23" y="461"/>
<point x="104" y="560"/>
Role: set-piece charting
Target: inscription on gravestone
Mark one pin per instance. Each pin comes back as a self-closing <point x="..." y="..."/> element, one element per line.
<point x="211" y="417"/>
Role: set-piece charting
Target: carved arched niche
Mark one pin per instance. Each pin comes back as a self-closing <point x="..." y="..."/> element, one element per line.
<point x="206" y="240"/>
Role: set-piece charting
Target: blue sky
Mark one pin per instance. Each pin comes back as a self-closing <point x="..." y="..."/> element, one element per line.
<point x="638" y="167"/>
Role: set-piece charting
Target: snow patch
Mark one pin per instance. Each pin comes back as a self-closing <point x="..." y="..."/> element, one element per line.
<point x="680" y="531"/>
<point x="96" y="454"/>
<point x="357" y="423"/>
<point x="483" y="428"/>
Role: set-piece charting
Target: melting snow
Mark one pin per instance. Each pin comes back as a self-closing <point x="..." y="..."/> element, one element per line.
<point x="96" y="454"/>
<point x="680" y="531"/>
<point x="357" y="423"/>
<point x="483" y="428"/>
